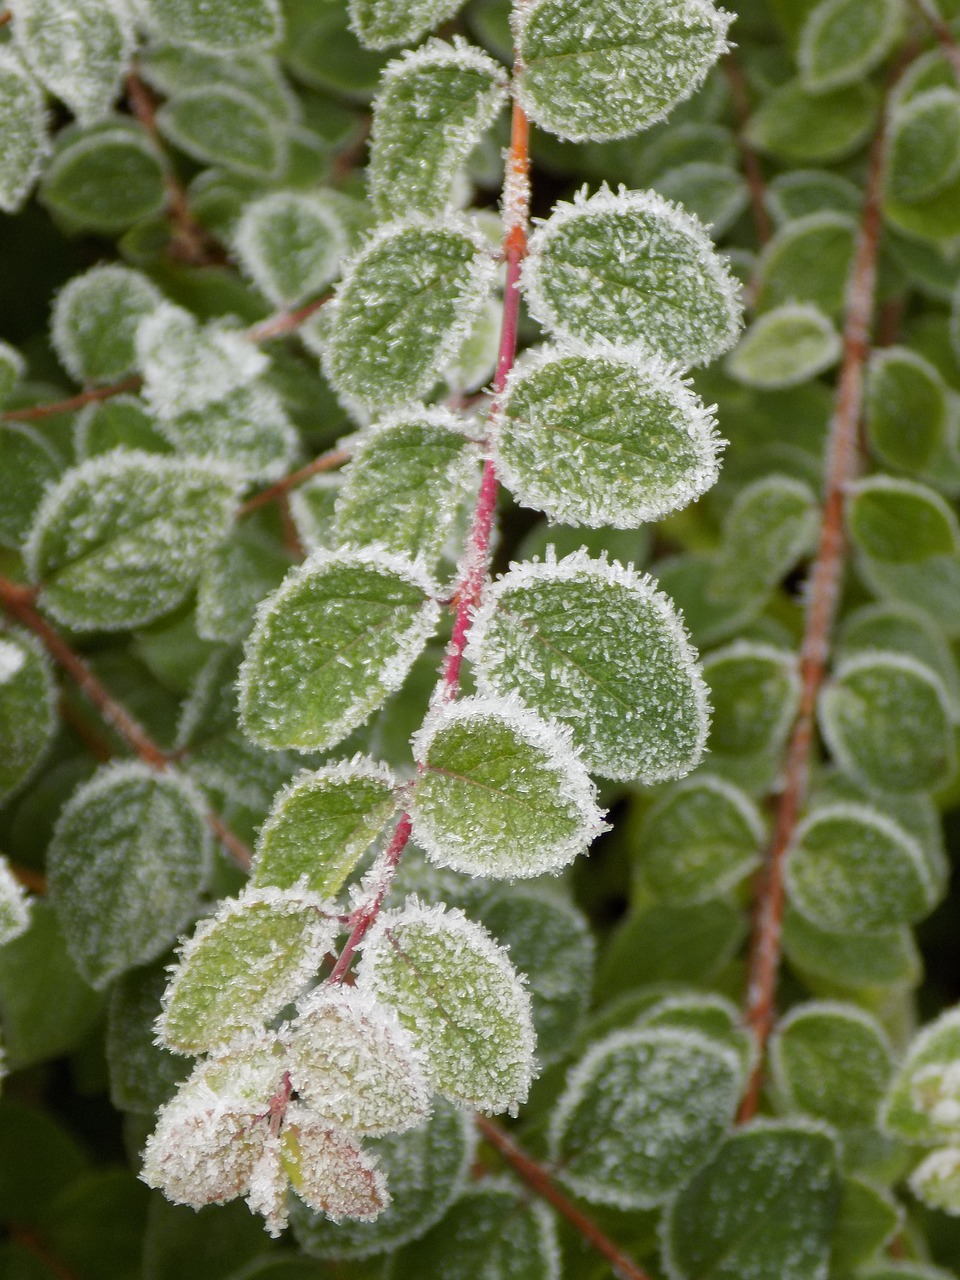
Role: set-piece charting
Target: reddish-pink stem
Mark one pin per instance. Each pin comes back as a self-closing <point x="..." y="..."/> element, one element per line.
<point x="369" y="913"/>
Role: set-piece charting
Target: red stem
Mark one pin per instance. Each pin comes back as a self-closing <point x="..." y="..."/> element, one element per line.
<point x="39" y="411"/>
<point x="326" y="462"/>
<point x="751" y="165"/>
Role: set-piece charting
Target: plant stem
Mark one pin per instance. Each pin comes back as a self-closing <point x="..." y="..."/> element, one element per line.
<point x="751" y="164"/>
<point x="285" y="322"/>
<point x="540" y="1181"/>
<point x="824" y="594"/>
<point x="326" y="462"/>
<point x="39" y="411"/>
<point x="948" y="41"/>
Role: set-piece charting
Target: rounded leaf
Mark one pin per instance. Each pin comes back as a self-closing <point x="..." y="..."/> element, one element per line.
<point x="785" y="347"/>
<point x="223" y="125"/>
<point x="95" y="319"/>
<point x="380" y="24"/>
<point x="28" y="716"/>
<point x="906" y="407"/>
<point x="23" y="126"/>
<point x="104" y="178"/>
<point x="290" y="245"/>
<point x="754" y="689"/>
<point x="923" y="155"/>
<point x="936" y="1180"/>
<point x="808" y="261"/>
<point x="803" y="128"/>
<point x="843" y="40"/>
<point x="218" y="25"/>
<point x="922" y="1105"/>
<point x="900" y="522"/>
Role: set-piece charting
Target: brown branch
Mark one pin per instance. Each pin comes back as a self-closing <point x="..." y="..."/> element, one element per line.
<point x="5" y="17"/>
<point x="947" y="40"/>
<point x="35" y="881"/>
<point x="740" y="93"/>
<point x="824" y="592"/>
<point x="285" y="322"/>
<point x="540" y="1181"/>
<point x="39" y="411"/>
<point x="326" y="462"/>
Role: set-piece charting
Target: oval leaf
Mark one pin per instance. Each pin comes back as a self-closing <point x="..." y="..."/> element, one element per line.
<point x="217" y="25"/>
<point x="95" y="319"/>
<point x="28" y="715"/>
<point x="843" y="40"/>
<point x="923" y="1102"/>
<point x="379" y="24"/>
<point x="290" y="245"/>
<point x="785" y="347"/>
<point x="23" y="126"/>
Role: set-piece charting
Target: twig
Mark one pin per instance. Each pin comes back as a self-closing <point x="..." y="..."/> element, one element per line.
<point x="39" y="411"/>
<point x="5" y="17"/>
<point x="947" y="40"/>
<point x="539" y="1180"/>
<point x="326" y="462"/>
<point x="285" y="322"/>
<point x="824" y="593"/>
<point x="751" y="165"/>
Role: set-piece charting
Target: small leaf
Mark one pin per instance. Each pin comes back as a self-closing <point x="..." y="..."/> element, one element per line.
<point x="785" y="347"/>
<point x="29" y="456"/>
<point x="665" y="943"/>
<point x="14" y="904"/>
<point x="754" y="689"/>
<point x="173" y="68"/>
<point x="339" y="635"/>
<point x="869" y="1220"/>
<point x="457" y="993"/>
<point x="843" y="40"/>
<point x="711" y="1016"/>
<point x="219" y="26"/>
<point x="501" y="793"/>
<point x="800" y="192"/>
<point x="433" y="106"/>
<point x="95" y="319"/>
<point x="906" y="408"/>
<point x="808" y="261"/>
<point x="28" y="717"/>
<point x="772" y="524"/>
<point x="23" y="126"/>
<point x="104" y="177"/>
<point x="923" y="1102"/>
<point x="899" y="521"/>
<point x="897" y="628"/>
<point x="143" y="1075"/>
<point x="290" y="245"/>
<point x="122" y="422"/>
<point x="312" y="507"/>
<point x="226" y="126"/>
<point x="936" y="1180"/>
<point x="641" y="1112"/>
<point x="248" y="431"/>
<point x="851" y="960"/>
<point x="924" y="146"/>
<point x="803" y="128"/>
<point x="117" y="542"/>
<point x="236" y="576"/>
<point x="591" y="72"/>
<point x="329" y="1170"/>
<point x="379" y="24"/>
<point x="716" y="194"/>
<point x="243" y="965"/>
<point x="403" y="308"/>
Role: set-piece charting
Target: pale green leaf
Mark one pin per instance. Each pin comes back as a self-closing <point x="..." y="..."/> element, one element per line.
<point x="225" y="126"/>
<point x="772" y="524"/>
<point x="312" y="507"/>
<point x="173" y="68"/>
<point x="217" y="25"/>
<point x="380" y="24"/>
<point x="899" y="521"/>
<point x="290" y="245"/>
<point x="800" y="127"/>
<point x="856" y="961"/>
<point x="29" y="456"/>
<point x="785" y="347"/>
<point x="906" y="407"/>
<point x="28" y="716"/>
<point x="104" y="177"/>
<point x="808" y="262"/>
<point x="843" y="40"/>
<point x="754" y="689"/>
<point x="922" y="1105"/>
<point x="800" y="192"/>
<point x="248" y="432"/>
<point x="924" y="146"/>
<point x="14" y="905"/>
<point x="897" y="628"/>
<point x="23" y="126"/>
<point x="711" y="1016"/>
<point x="95" y="319"/>
<point x="716" y="194"/>
<point x="936" y="1180"/>
<point x="236" y="576"/>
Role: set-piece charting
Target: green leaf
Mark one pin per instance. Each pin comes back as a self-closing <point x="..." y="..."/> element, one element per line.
<point x="408" y="478"/>
<point x="12" y="368"/>
<point x="426" y="1170"/>
<point x="331" y="644"/>
<point x="173" y="68"/>
<point x="711" y="1016"/>
<point x="594" y="646"/>
<point x="403" y="308"/>
<point x="924" y="147"/>
<point x="632" y="268"/>
<point x="26" y="454"/>
<point x="886" y="719"/>
<point x="772" y="524"/>
<point x="799" y="192"/>
<point x="808" y="261"/>
<point x="243" y="965"/>
<point x="785" y="347"/>
<point x="832" y="1061"/>
<point x="117" y="542"/>
<point x="899" y="521"/>
<point x="869" y="1219"/>
<point x="899" y="629"/>
<point x="380" y="24"/>
<point x="78" y="49"/>
<point x="765" y="1205"/>
<point x="922" y="1105"/>
<point x="716" y="194"/>
<point x="312" y="507"/>
<point x="129" y="857"/>
<point x="290" y="245"/>
<point x="28" y="715"/>
<point x="700" y="839"/>
<point x="457" y="993"/>
<point x="667" y="943"/>
<point x="143" y="1075"/>
<point x="219" y="26"/>
<point x="754" y="689"/>
<point x="641" y="1113"/>
<point x="23" y="126"/>
<point x="235" y="578"/>
<point x="843" y="40"/>
<point x="321" y="825"/>
<point x="104" y="178"/>
<point x="906" y="408"/>
<point x="95" y="319"/>
<point x="226" y="126"/>
<point x="590" y="71"/>
<point x="433" y="107"/>
<point x="855" y="961"/>
<point x="800" y="127"/>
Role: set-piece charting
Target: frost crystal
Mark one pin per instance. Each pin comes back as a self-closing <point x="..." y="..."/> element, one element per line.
<point x="14" y="903"/>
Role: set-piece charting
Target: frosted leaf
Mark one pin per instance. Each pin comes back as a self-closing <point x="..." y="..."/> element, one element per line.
<point x="475" y="363"/>
<point x="458" y="994"/>
<point x="143" y="1075"/>
<point x="501" y="793"/>
<point x="813" y="128"/>
<point x="907" y="408"/>
<point x="28" y="455"/>
<point x="174" y="68"/>
<point x="352" y="1062"/>
<point x="923" y="157"/>
<point x="12" y="368"/>
<point x="129" y="857"/>
<point x="886" y="719"/>
<point x="329" y="1170"/>
<point x="601" y="70"/>
<point x="122" y="422"/>
<point x="104" y="177"/>
<point x="898" y="628"/>
<point x="235" y="578"/>
<point x="710" y="1016"/>
<point x="290" y="245"/>
<point x="851" y="960"/>
<point x="595" y="646"/>
<point x="118" y="541"/>
<point x="755" y="690"/>
<point x="603" y="436"/>
<point x="312" y="507"/>
<point x="852" y="868"/>
<point x="808" y="261"/>
<point x="243" y="965"/>
<point x="717" y="194"/>
<point x="799" y="192"/>
<point x="322" y="823"/>
<point x="431" y="110"/>
<point x="833" y="1061"/>
<point x="936" y="1180"/>
<point x="842" y="41"/>
<point x="898" y="521"/>
<point x="14" y="903"/>
<point x="225" y="126"/>
<point x="764" y="1206"/>
<point x="426" y="1169"/>
<point x="632" y="268"/>
<point x="248" y="430"/>
<point x="772" y="524"/>
<point x="331" y="644"/>
<point x="28" y="716"/>
<point x="379" y="24"/>
<point x="641" y="1112"/>
<point x="407" y="479"/>
<point x="217" y="25"/>
<point x="785" y="347"/>
<point x="404" y="306"/>
<point x="78" y="49"/>
<point x="23" y="126"/>
<point x="95" y="319"/>
<point x="922" y="1105"/>
<point x="700" y="839"/>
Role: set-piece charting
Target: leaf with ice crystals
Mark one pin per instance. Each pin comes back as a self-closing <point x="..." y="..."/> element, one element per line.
<point x="352" y="1062"/>
<point x="772" y="524"/>
<point x="632" y="268"/>
<point x="833" y="1061"/>
<point x="312" y="507"/>
<point x="329" y="1170"/>
<point x="235" y="578"/>
<point x="122" y="422"/>
<point x="595" y="646"/>
<point x="28" y="455"/>
<point x="853" y="868"/>
<point x="321" y="825"/>
<point x="129" y="856"/>
<point x="922" y="1105"/>
<point x="785" y="347"/>
<point x="641" y="1112"/>
<point x="923" y="157"/>
<point x="907" y="407"/>
<point x="475" y="363"/>
<point x="404" y="306"/>
<point x="95" y="319"/>
<point x="808" y="261"/>
<point x="217" y="25"/>
<point x="248" y="431"/>
<point x="886" y="719"/>
<point x="603" y="436"/>
<point x="898" y="521"/>
<point x="426" y="1169"/>
<point x="711" y="1016"/>
<point x="331" y="644"/>
<point x="842" y="41"/>
<point x="936" y="1180"/>
<point x="432" y="108"/>
<point x="754" y="689"/>
<point x="23" y="127"/>
<point x="243" y="965"/>
<point x="406" y="482"/>
<point x="460" y="997"/>
<point x="78" y="49"/>
<point x="605" y="69"/>
<point x="290" y="245"/>
<point x="104" y="177"/>
<point x="501" y="793"/>
<point x="119" y="540"/>
<point x="28" y="716"/>
<point x="14" y="904"/>
<point x="380" y="24"/>
<point x="226" y="126"/>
